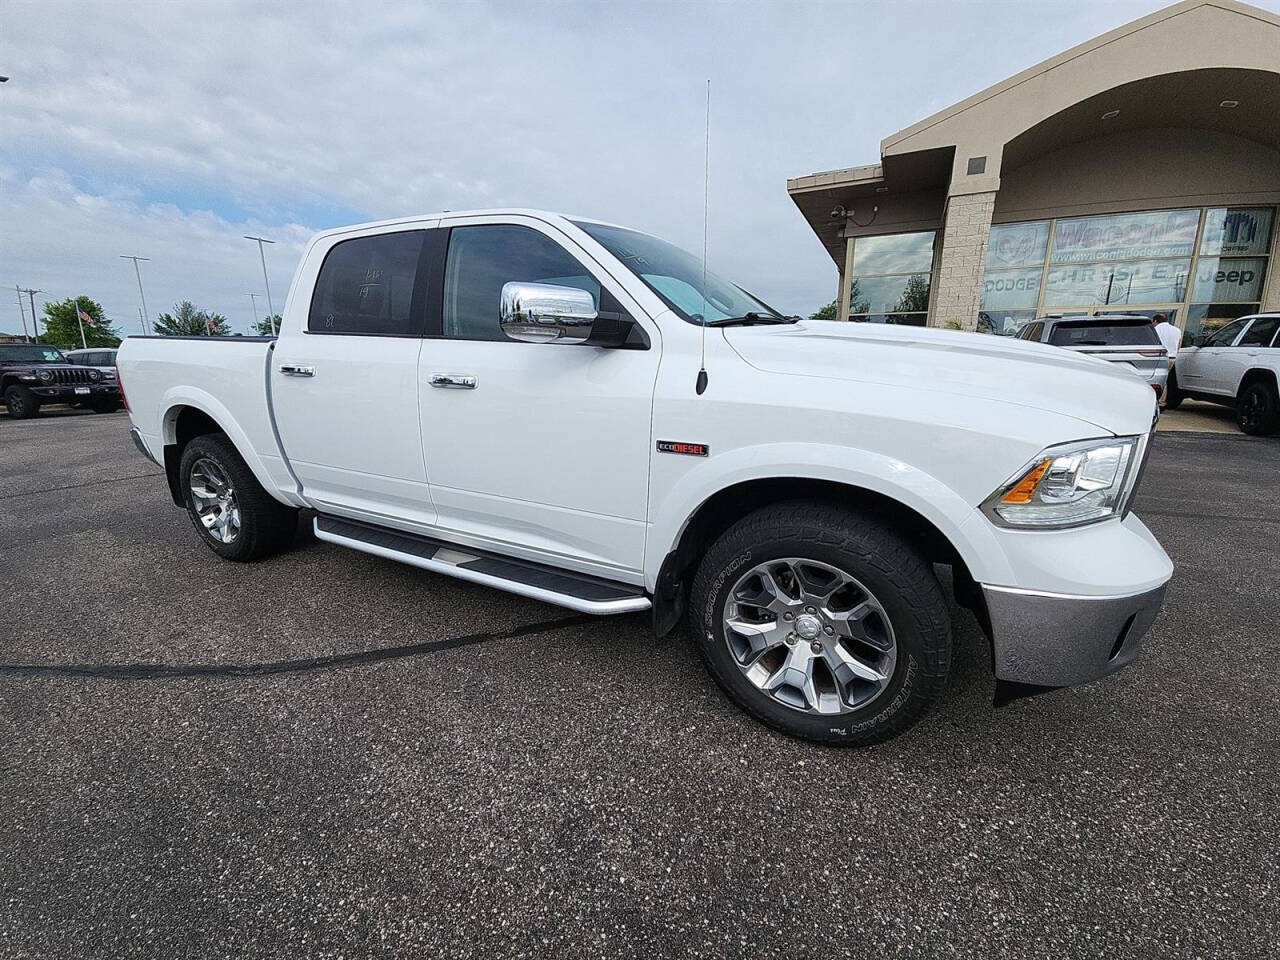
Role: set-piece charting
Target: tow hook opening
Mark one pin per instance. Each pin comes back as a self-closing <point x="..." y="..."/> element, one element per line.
<point x="1121" y="637"/>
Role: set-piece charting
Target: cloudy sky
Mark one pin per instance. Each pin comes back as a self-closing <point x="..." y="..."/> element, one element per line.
<point x="170" y="130"/>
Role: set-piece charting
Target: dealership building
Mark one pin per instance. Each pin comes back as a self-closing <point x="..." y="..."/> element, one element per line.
<point x="1138" y="172"/>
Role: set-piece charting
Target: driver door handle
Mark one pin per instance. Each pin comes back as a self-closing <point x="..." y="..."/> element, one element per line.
<point x="454" y="381"/>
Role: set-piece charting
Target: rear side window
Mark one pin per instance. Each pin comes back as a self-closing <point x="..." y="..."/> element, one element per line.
<point x="1260" y="334"/>
<point x="483" y="258"/>
<point x="367" y="287"/>
<point x="1097" y="334"/>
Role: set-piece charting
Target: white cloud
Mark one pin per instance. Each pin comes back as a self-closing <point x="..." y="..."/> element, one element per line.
<point x="171" y="129"/>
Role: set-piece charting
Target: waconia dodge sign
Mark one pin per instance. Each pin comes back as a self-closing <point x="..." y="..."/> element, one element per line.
<point x="1132" y="237"/>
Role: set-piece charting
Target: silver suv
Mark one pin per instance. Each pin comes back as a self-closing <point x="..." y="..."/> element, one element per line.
<point x="1117" y="338"/>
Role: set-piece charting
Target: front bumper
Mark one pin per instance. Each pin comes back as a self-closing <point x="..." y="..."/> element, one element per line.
<point x="1059" y="640"/>
<point x="66" y="392"/>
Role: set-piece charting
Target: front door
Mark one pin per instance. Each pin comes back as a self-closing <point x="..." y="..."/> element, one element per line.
<point x="1205" y="370"/>
<point x="536" y="450"/>
<point x="344" y="380"/>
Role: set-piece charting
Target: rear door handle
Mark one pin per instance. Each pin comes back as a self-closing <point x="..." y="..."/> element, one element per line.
<point x="454" y="381"/>
<point x="294" y="370"/>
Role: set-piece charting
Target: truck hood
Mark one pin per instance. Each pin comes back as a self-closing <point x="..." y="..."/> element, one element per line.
<point x="954" y="362"/>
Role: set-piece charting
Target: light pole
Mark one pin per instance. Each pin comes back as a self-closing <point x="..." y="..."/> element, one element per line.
<point x="254" y="298"/>
<point x="22" y="310"/>
<point x="35" y="326"/>
<point x="138" y="273"/>
<point x="267" y="283"/>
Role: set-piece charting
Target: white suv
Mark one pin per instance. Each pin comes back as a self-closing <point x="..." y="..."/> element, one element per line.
<point x="1237" y="365"/>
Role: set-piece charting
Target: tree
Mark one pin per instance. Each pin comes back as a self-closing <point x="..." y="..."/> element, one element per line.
<point x="915" y="295"/>
<point x="857" y="304"/>
<point x="62" y="326"/>
<point x="187" y="321"/>
<point x="829" y="312"/>
<point x="263" y="327"/>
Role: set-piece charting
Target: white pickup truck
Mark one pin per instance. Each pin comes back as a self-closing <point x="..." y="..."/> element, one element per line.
<point x="576" y="412"/>
<point x="1239" y="365"/>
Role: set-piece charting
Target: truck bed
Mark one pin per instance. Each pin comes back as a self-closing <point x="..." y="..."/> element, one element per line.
<point x="224" y="378"/>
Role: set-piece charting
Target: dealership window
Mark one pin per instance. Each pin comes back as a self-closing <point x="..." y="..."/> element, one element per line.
<point x="1231" y="268"/>
<point x="1141" y="263"/>
<point x="1015" y="268"/>
<point x="889" y="279"/>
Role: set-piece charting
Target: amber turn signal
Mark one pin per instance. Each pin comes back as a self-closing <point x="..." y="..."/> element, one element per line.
<point x="1026" y="487"/>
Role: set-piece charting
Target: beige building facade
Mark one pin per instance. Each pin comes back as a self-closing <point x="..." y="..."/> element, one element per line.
<point x="1138" y="172"/>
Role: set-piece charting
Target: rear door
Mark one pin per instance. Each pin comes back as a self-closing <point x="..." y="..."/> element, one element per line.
<point x="539" y="451"/>
<point x="344" y="375"/>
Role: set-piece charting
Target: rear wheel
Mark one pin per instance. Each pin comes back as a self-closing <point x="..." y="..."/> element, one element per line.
<point x="822" y="623"/>
<point x="234" y="515"/>
<point x="21" y="403"/>
<point x="1258" y="410"/>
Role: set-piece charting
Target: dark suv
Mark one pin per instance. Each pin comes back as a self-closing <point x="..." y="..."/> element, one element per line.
<point x="33" y="374"/>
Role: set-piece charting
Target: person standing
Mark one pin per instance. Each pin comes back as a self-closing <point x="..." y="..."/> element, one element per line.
<point x="1170" y="338"/>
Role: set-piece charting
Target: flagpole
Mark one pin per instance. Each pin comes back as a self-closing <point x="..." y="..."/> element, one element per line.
<point x="83" y="342"/>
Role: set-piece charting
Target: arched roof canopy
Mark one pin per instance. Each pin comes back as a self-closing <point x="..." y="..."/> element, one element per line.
<point x="1218" y="41"/>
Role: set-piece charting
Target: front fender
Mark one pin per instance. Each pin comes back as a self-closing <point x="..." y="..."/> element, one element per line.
<point x="908" y="485"/>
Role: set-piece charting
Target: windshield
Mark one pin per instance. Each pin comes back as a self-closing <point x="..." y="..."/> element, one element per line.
<point x="676" y="276"/>
<point x="1103" y="333"/>
<point x="29" y="353"/>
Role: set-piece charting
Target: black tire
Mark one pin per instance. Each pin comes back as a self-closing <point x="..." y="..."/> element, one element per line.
<point x="1258" y="410"/>
<point x="21" y="403"/>
<point x="1172" y="395"/>
<point x="110" y="406"/>
<point x="266" y="525"/>
<point x="864" y="548"/>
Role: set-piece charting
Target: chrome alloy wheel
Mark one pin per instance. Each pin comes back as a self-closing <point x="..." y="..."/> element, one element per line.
<point x="215" y="500"/>
<point x="810" y="636"/>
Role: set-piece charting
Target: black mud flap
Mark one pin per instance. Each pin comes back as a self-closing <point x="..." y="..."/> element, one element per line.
<point x="1008" y="691"/>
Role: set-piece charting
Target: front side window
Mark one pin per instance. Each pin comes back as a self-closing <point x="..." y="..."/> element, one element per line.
<point x="366" y="287"/>
<point x="1224" y="336"/>
<point x="484" y="258"/>
<point x="677" y="277"/>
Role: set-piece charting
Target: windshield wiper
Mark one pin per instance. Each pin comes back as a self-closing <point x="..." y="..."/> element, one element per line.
<point x="750" y="319"/>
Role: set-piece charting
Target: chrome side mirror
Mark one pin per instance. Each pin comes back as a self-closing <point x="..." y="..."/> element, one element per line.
<point x="546" y="313"/>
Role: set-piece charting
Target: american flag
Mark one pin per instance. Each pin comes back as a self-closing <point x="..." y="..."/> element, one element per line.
<point x="84" y="316"/>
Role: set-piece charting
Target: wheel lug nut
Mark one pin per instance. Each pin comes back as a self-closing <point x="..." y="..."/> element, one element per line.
<point x="810" y="609"/>
<point x="791" y="638"/>
<point x="828" y="630"/>
<point x="816" y="646"/>
<point x="788" y="617"/>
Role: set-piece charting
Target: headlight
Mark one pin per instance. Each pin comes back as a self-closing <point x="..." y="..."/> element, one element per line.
<point x="95" y="375"/>
<point x="1070" y="485"/>
<point x="46" y="376"/>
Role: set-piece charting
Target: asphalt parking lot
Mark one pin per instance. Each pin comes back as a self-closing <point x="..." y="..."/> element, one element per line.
<point x="328" y="754"/>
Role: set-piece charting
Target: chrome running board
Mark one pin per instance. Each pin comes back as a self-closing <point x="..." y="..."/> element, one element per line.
<point x="537" y="581"/>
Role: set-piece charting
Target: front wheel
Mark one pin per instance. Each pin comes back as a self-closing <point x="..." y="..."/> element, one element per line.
<point x="823" y="623"/>
<point x="234" y="515"/>
<point x="1257" y="409"/>
<point x="21" y="403"/>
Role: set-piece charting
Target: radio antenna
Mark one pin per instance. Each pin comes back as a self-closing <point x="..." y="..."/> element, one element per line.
<point x="701" y="384"/>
